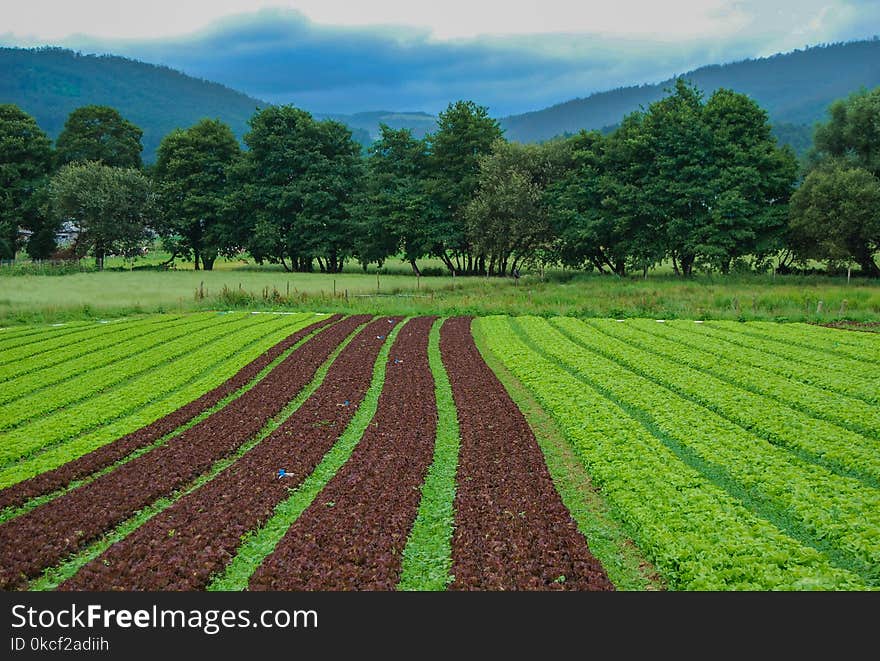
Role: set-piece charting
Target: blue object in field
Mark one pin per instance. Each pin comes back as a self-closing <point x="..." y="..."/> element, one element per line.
<point x="281" y="473"/>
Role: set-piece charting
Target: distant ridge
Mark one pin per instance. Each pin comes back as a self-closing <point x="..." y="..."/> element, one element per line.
<point x="795" y="88"/>
<point x="50" y="82"/>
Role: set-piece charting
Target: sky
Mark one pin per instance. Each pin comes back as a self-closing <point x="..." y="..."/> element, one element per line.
<point x="510" y="55"/>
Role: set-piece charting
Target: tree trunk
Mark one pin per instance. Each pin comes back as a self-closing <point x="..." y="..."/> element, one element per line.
<point x="415" y="267"/>
<point x="447" y="262"/>
<point x="196" y="258"/>
<point x="675" y="266"/>
<point x="868" y="265"/>
<point x="208" y="262"/>
<point x="687" y="265"/>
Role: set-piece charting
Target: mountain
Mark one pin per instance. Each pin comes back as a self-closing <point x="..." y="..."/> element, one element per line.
<point x="419" y="123"/>
<point x="795" y="88"/>
<point x="49" y="83"/>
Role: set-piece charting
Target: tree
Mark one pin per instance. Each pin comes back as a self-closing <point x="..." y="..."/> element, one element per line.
<point x="294" y="188"/>
<point x="835" y="214"/>
<point x="508" y="220"/>
<point x="852" y="131"/>
<point x="464" y="133"/>
<point x="679" y="185"/>
<point x="25" y="160"/>
<point x="753" y="182"/>
<point x="110" y="207"/>
<point x="394" y="210"/>
<point x="99" y="133"/>
<point x="191" y="174"/>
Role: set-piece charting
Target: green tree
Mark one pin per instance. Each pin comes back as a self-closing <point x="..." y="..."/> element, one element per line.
<point x="111" y="207"/>
<point x="99" y="133"/>
<point x="394" y="210"/>
<point x="191" y="175"/>
<point x="754" y="179"/>
<point x="294" y="189"/>
<point x="852" y="131"/>
<point x="835" y="215"/>
<point x="464" y="133"/>
<point x="680" y="183"/>
<point x="25" y="160"/>
<point x="508" y="220"/>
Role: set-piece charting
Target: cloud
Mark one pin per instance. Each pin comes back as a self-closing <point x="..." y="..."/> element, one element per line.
<point x="282" y="57"/>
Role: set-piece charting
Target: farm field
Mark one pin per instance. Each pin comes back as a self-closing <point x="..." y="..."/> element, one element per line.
<point x="313" y="451"/>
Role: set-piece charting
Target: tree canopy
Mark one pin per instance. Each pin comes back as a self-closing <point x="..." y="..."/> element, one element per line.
<point x="99" y="133"/>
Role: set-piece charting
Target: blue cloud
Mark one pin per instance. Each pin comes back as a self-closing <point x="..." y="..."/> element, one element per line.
<point x="282" y="57"/>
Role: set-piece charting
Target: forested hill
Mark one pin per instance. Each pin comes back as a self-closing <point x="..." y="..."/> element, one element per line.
<point x="795" y="88"/>
<point x="49" y="83"/>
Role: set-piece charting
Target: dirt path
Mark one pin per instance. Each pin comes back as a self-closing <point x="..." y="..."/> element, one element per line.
<point x="183" y="546"/>
<point x="353" y="535"/>
<point x="512" y="530"/>
<point x="50" y="532"/>
<point x="106" y="455"/>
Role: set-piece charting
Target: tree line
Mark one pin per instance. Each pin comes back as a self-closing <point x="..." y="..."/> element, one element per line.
<point x="699" y="182"/>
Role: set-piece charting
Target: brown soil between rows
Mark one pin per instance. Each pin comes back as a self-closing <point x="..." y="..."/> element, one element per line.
<point x="353" y="534"/>
<point x="512" y="531"/>
<point x="183" y="546"/>
<point x="106" y="455"/>
<point x="52" y="531"/>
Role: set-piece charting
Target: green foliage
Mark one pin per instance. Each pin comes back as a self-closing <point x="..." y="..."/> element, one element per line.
<point x="25" y="160"/>
<point x="464" y="133"/>
<point x="294" y="189"/>
<point x="427" y="557"/>
<point x="852" y="131"/>
<point x="694" y="519"/>
<point x="110" y="206"/>
<point x="835" y="215"/>
<point x="192" y="185"/>
<point x="391" y="214"/>
<point x="99" y="133"/>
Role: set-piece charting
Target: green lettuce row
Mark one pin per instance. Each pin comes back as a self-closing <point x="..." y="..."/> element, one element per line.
<point x="837" y="515"/>
<point x="803" y="346"/>
<point x="17" y="336"/>
<point x="427" y="557"/>
<point x="697" y="535"/>
<point x="688" y="334"/>
<point x="46" y="370"/>
<point x="106" y="335"/>
<point x="29" y="346"/>
<point x="838" y="449"/>
<point x="96" y="379"/>
<point x="805" y="358"/>
<point x="830" y="338"/>
<point x="850" y="413"/>
<point x="146" y="388"/>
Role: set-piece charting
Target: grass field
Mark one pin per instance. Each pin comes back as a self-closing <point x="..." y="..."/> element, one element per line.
<point x="43" y="298"/>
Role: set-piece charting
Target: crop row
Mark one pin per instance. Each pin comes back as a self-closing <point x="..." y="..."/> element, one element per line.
<point x="36" y="375"/>
<point x="815" y="358"/>
<point x="161" y="429"/>
<point x="834" y="513"/>
<point x="818" y="440"/>
<point x="12" y="337"/>
<point x="79" y="429"/>
<point x="107" y="336"/>
<point x="51" y="338"/>
<point x="102" y="379"/>
<point x="44" y="535"/>
<point x="851" y="413"/>
<point x="688" y="334"/>
<point x="858" y="346"/>
<point x="169" y="552"/>
<point x="699" y="536"/>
